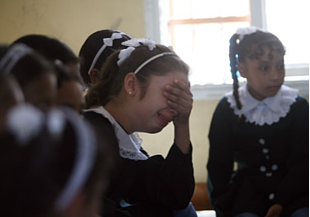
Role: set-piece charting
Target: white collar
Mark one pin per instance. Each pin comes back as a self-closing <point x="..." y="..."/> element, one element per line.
<point x="267" y="111"/>
<point x="129" y="144"/>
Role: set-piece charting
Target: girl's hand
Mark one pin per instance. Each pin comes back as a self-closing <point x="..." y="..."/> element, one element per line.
<point x="180" y="100"/>
<point x="274" y="211"/>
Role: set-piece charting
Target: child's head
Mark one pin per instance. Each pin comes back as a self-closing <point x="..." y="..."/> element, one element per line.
<point x="34" y="74"/>
<point x="145" y="61"/>
<point x="96" y="49"/>
<point x="50" y="164"/>
<point x="259" y="57"/>
<point x="70" y="88"/>
<point x="52" y="49"/>
<point x="10" y="95"/>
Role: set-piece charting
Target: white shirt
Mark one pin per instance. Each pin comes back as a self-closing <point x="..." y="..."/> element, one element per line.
<point x="267" y="111"/>
<point x="129" y="144"/>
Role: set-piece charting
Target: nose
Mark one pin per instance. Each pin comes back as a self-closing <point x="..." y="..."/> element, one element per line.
<point x="275" y="74"/>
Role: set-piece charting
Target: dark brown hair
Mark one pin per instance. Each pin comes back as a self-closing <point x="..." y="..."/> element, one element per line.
<point x="51" y="48"/>
<point x="112" y="76"/>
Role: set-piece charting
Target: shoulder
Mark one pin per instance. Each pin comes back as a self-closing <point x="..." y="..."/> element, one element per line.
<point x="95" y="118"/>
<point x="224" y="106"/>
<point x="223" y="113"/>
<point x="300" y="107"/>
<point x="301" y="103"/>
<point x="224" y="101"/>
<point x="100" y="123"/>
<point x="103" y="129"/>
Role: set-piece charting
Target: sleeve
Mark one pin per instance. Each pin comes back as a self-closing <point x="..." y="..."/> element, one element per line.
<point x="170" y="181"/>
<point x="221" y="159"/>
<point x="296" y="182"/>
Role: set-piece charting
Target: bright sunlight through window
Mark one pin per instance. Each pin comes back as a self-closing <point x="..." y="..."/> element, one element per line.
<point x="199" y="31"/>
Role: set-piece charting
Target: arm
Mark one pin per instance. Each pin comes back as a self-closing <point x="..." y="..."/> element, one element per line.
<point x="171" y="181"/>
<point x="295" y="184"/>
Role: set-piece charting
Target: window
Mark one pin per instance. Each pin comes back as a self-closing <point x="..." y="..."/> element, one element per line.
<point x="199" y="31"/>
<point x="289" y="22"/>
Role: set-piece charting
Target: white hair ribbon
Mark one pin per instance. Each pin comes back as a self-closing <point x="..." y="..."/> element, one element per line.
<point x="25" y="122"/>
<point x="247" y="31"/>
<point x="56" y="123"/>
<point x="136" y="42"/>
<point x="132" y="44"/>
<point x="107" y="42"/>
<point x="14" y="54"/>
<point x="83" y="163"/>
<point x="124" y="54"/>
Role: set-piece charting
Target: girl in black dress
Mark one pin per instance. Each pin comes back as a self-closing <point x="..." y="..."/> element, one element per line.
<point x="263" y="127"/>
<point x="142" y="89"/>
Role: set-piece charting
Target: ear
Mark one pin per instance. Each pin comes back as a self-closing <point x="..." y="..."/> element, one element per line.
<point x="242" y="69"/>
<point x="131" y="84"/>
<point x="94" y="75"/>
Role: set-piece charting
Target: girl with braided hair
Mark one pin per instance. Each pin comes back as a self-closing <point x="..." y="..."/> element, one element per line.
<point x="262" y="127"/>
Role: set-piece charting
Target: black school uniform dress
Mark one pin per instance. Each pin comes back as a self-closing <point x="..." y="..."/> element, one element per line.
<point x="259" y="156"/>
<point x="142" y="185"/>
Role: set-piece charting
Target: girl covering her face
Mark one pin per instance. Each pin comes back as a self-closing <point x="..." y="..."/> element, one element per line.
<point x="142" y="89"/>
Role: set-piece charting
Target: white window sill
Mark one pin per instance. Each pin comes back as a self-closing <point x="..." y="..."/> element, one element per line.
<point x="216" y="92"/>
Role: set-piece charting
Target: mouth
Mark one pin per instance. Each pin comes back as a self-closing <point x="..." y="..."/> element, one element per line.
<point x="274" y="88"/>
<point x="164" y="120"/>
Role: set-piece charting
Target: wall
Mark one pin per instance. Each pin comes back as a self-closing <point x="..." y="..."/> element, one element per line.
<point x="72" y="21"/>
<point x="200" y="120"/>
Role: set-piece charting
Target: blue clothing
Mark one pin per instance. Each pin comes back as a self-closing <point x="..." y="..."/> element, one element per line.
<point x="302" y="212"/>
<point x="189" y="211"/>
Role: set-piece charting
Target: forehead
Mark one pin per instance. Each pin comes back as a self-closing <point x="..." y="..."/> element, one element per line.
<point x="270" y="52"/>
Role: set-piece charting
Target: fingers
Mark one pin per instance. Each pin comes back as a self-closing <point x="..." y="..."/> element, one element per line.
<point x="179" y="96"/>
<point x="179" y="93"/>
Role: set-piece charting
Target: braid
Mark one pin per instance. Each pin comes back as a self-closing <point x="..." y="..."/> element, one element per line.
<point x="233" y="51"/>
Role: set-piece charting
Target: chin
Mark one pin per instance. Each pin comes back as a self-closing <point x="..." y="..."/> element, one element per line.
<point x="153" y="131"/>
<point x="272" y="94"/>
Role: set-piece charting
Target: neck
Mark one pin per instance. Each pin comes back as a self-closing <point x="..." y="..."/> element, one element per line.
<point x="120" y="114"/>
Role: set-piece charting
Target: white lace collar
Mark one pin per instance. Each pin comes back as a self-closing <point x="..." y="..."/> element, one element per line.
<point x="267" y="111"/>
<point x="129" y="145"/>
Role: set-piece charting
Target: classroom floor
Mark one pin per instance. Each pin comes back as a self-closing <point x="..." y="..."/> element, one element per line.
<point x="206" y="213"/>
